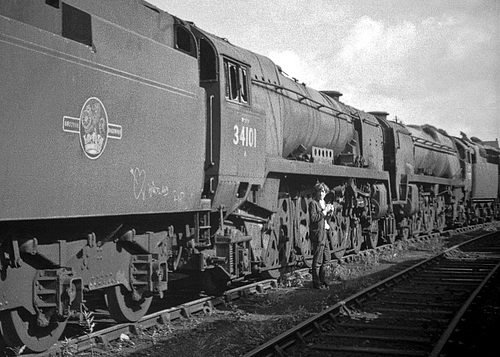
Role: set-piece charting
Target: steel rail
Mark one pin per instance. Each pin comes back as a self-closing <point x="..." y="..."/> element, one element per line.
<point x="426" y="237"/>
<point x="453" y="324"/>
<point x="203" y="305"/>
<point x="278" y="344"/>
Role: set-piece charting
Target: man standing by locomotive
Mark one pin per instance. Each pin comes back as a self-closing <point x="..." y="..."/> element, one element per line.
<point x="318" y="211"/>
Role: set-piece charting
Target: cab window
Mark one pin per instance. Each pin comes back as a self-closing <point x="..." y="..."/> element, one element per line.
<point x="184" y="40"/>
<point x="236" y="76"/>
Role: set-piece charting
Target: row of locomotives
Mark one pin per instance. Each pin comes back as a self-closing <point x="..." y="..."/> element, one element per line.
<point x="438" y="182"/>
<point x="429" y="180"/>
<point x="270" y="138"/>
<point x="456" y="178"/>
<point x="139" y="173"/>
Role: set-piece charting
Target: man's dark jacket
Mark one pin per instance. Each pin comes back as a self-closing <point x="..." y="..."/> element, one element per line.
<point x="316" y="223"/>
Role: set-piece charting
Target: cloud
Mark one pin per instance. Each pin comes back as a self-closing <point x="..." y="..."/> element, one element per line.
<point x="374" y="53"/>
<point x="370" y="39"/>
<point x="298" y="67"/>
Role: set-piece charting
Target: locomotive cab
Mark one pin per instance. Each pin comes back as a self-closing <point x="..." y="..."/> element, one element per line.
<point x="398" y="156"/>
<point x="234" y="155"/>
<point x="234" y="163"/>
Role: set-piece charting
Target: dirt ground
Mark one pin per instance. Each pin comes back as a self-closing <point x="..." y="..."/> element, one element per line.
<point x="244" y="324"/>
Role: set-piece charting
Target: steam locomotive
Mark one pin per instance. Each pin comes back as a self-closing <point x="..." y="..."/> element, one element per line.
<point x="137" y="149"/>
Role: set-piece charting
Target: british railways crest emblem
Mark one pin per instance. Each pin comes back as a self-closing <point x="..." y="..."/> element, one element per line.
<point x="93" y="128"/>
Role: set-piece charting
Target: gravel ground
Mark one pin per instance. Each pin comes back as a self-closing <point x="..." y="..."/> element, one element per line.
<point x="242" y="325"/>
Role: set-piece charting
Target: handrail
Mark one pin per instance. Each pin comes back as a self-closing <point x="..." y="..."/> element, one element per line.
<point x="210" y="131"/>
<point x="336" y="113"/>
<point x="433" y="145"/>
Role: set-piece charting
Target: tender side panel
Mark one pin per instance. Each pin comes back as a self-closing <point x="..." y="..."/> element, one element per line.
<point x="150" y="160"/>
<point x="484" y="183"/>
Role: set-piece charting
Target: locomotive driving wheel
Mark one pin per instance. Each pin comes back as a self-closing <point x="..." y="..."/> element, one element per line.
<point x="285" y="226"/>
<point x="123" y="306"/>
<point x="20" y="328"/>
<point x="302" y="234"/>
<point x="428" y="221"/>
<point x="404" y="229"/>
<point x="279" y="247"/>
<point x="356" y="236"/>
<point x="339" y="228"/>
<point x="271" y="257"/>
<point x="373" y="234"/>
<point x="416" y="225"/>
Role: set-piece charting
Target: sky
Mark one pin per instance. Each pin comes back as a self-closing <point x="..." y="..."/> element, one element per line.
<point x="423" y="61"/>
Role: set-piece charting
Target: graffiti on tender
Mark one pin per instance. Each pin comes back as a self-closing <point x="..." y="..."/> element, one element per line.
<point x="144" y="189"/>
<point x="154" y="189"/>
<point x="139" y="182"/>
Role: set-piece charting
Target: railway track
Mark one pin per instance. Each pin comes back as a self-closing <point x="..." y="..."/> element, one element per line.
<point x="384" y="247"/>
<point x="424" y="310"/>
<point x="107" y="330"/>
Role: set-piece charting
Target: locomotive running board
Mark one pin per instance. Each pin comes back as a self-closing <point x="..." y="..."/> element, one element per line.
<point x="280" y="165"/>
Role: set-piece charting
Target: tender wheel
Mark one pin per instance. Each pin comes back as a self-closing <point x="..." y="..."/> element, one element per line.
<point x="19" y="327"/>
<point x="122" y="306"/>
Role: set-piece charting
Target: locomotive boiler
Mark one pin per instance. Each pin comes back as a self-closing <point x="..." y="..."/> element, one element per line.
<point x="435" y="153"/>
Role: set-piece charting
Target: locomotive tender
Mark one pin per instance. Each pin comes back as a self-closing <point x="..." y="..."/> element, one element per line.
<point x="137" y="148"/>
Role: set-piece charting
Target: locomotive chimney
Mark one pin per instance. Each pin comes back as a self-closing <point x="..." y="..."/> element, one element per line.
<point x="333" y="94"/>
<point x="381" y="115"/>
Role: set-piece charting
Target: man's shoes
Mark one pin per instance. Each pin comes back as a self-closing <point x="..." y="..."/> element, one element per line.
<point x="322" y="286"/>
